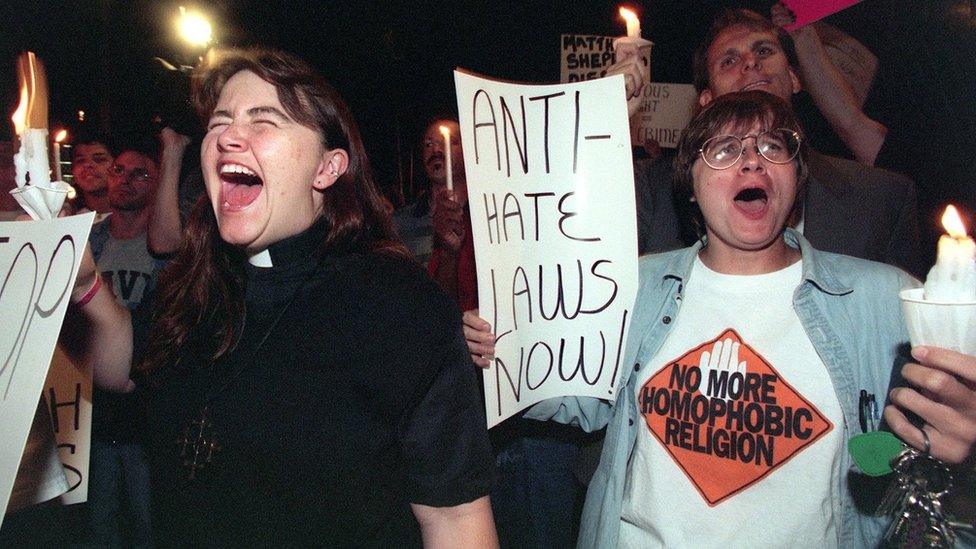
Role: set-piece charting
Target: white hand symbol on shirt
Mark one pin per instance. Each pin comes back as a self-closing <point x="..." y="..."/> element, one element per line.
<point x="724" y="356"/>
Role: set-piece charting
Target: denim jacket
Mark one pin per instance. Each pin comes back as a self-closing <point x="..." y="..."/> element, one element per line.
<point x="849" y="309"/>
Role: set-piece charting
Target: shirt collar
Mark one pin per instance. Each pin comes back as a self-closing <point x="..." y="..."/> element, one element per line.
<point x="814" y="264"/>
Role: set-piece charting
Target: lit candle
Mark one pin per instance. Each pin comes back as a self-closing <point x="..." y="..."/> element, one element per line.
<point x="633" y="23"/>
<point x="446" y="132"/>
<point x="953" y="277"/>
<point x="633" y="45"/>
<point x="30" y="123"/>
<point x="58" y="138"/>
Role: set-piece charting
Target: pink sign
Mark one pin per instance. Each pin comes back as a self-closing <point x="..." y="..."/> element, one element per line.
<point x="808" y="11"/>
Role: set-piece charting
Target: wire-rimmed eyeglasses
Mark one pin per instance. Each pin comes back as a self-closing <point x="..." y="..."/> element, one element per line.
<point x="779" y="146"/>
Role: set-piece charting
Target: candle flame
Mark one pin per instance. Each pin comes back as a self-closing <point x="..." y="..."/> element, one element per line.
<point x="445" y="131"/>
<point x="630" y="17"/>
<point x="61" y="135"/>
<point x="20" y="115"/>
<point x="953" y="222"/>
<point x="33" y="80"/>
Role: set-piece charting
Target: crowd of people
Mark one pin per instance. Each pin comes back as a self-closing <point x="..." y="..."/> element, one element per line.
<point x="281" y="358"/>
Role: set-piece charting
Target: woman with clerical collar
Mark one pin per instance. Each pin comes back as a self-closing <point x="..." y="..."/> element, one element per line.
<point x="306" y="383"/>
<point x="746" y="358"/>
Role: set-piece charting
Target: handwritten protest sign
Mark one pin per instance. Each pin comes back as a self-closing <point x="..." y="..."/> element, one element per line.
<point x="68" y="391"/>
<point x="584" y="57"/>
<point x="38" y="264"/>
<point x="664" y="112"/>
<point x="551" y="193"/>
<point x="808" y="11"/>
<point x="665" y="108"/>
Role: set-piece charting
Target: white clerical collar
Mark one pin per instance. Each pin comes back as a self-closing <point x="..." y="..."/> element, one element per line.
<point x="261" y="259"/>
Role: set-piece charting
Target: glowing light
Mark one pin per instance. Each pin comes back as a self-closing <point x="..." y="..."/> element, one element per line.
<point x="194" y="28"/>
<point x="633" y="23"/>
<point x="20" y="115"/>
<point x="953" y="223"/>
<point x="448" y="163"/>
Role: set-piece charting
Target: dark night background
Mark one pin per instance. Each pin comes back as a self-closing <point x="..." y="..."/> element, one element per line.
<point x="392" y="61"/>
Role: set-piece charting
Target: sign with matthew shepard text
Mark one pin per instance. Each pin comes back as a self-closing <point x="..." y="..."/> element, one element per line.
<point x="38" y="264"/>
<point x="665" y="108"/>
<point x="551" y="193"/>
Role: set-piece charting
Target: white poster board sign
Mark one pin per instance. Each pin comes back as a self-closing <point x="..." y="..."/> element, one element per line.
<point x="38" y="264"/>
<point x="584" y="57"/>
<point x="551" y="193"/>
<point x="68" y="391"/>
<point x="665" y="109"/>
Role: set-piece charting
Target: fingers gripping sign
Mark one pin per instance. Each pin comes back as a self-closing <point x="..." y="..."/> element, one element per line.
<point x="724" y="357"/>
<point x="481" y="342"/>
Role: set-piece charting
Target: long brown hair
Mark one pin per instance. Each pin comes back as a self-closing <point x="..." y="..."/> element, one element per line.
<point x="202" y="288"/>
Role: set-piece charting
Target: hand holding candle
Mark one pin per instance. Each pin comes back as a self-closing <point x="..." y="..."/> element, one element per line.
<point x="633" y="60"/>
<point x="633" y="44"/>
<point x="448" y="163"/>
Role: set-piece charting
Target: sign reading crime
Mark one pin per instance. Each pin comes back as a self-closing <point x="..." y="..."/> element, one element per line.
<point x="665" y="108"/>
<point x="551" y="193"/>
<point x="38" y="264"/>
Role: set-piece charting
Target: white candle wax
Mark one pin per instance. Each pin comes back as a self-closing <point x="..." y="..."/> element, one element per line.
<point x="953" y="277"/>
<point x="33" y="158"/>
<point x="57" y="161"/>
<point x="20" y="167"/>
<point x="448" y="163"/>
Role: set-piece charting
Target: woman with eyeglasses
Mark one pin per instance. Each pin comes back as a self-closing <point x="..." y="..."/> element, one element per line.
<point x="307" y="384"/>
<point x="748" y="356"/>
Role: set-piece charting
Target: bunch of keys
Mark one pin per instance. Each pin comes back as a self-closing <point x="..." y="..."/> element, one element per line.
<point x="914" y="501"/>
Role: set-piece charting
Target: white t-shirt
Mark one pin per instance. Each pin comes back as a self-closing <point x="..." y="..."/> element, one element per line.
<point x="128" y="268"/>
<point x="741" y="442"/>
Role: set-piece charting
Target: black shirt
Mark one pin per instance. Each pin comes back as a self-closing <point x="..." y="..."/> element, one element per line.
<point x="360" y="400"/>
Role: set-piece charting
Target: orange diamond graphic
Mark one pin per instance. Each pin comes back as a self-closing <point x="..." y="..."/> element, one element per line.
<point x="727" y="417"/>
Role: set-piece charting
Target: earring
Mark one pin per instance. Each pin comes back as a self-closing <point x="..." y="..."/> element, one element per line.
<point x="335" y="173"/>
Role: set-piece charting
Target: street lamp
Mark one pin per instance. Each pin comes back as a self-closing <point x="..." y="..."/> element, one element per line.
<point x="194" y="28"/>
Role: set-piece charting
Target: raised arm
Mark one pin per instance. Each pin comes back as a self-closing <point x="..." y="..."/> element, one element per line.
<point x="108" y="328"/>
<point x="832" y="94"/>
<point x="165" y="228"/>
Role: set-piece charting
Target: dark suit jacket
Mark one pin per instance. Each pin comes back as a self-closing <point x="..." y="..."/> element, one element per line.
<point x="861" y="211"/>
